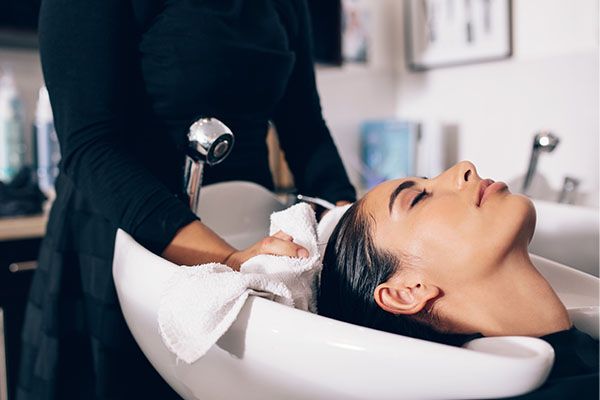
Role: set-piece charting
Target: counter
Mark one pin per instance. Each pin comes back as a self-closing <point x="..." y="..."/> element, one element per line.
<point x="27" y="227"/>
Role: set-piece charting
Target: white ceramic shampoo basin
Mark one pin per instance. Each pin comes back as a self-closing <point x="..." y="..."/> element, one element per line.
<point x="567" y="234"/>
<point x="276" y="352"/>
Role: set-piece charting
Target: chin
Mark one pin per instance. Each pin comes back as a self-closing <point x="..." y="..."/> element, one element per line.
<point x="525" y="216"/>
<point x="513" y="223"/>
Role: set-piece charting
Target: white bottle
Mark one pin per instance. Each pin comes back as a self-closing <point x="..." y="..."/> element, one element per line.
<point x="48" y="151"/>
<point x="12" y="137"/>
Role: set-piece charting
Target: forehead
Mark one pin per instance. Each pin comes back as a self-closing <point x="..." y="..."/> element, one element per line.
<point x="376" y="207"/>
<point x="377" y="199"/>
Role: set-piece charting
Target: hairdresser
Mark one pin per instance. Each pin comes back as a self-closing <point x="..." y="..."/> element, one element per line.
<point x="126" y="79"/>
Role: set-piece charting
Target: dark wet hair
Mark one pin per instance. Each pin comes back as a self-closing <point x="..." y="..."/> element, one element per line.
<point x="353" y="266"/>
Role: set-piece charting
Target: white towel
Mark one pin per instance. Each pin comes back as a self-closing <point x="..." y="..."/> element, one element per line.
<point x="200" y="303"/>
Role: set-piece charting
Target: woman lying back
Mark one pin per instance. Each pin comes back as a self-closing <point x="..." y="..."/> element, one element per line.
<point x="442" y="259"/>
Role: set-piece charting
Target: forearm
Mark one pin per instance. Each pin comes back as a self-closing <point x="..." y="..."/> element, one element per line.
<point x="195" y="244"/>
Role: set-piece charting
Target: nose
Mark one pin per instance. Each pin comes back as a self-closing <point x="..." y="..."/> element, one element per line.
<point x="460" y="175"/>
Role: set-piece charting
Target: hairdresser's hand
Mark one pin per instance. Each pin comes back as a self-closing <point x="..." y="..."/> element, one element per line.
<point x="279" y="244"/>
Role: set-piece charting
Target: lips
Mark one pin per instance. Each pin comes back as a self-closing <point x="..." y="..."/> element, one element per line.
<point x="487" y="187"/>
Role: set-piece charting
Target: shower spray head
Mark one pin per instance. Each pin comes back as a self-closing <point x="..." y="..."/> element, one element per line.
<point x="209" y="141"/>
<point x="545" y="141"/>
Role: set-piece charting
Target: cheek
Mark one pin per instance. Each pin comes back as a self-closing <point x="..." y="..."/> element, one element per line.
<point x="454" y="243"/>
<point x="458" y="244"/>
<point x="445" y="240"/>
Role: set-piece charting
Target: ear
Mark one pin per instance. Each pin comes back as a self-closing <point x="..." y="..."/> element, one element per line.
<point x="404" y="294"/>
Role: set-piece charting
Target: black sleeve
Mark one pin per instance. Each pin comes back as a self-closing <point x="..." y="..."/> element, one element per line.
<point x="309" y="149"/>
<point x="87" y="55"/>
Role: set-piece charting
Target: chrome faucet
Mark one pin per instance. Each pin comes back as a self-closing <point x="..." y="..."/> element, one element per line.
<point x="209" y="141"/>
<point x="569" y="190"/>
<point x="543" y="141"/>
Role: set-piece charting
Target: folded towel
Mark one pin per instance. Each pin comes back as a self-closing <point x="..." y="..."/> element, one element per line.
<point x="200" y="303"/>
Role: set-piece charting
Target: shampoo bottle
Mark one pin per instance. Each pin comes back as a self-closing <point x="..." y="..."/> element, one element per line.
<point x="12" y="138"/>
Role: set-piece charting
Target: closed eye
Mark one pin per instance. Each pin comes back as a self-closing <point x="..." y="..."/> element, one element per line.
<point x="418" y="198"/>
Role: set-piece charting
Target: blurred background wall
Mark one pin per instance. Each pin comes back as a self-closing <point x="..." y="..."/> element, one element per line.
<point x="550" y="82"/>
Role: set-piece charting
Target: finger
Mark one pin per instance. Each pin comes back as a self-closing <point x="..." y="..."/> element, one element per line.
<point x="283" y="235"/>
<point x="280" y="247"/>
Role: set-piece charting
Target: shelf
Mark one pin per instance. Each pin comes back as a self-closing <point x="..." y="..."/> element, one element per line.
<point x="26" y="227"/>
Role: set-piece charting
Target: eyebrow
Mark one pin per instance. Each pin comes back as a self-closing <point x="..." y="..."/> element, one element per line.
<point x="396" y="192"/>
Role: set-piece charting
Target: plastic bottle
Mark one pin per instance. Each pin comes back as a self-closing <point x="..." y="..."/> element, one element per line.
<point x="12" y="135"/>
<point x="47" y="148"/>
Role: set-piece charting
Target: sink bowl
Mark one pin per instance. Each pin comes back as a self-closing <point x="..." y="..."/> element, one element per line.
<point x="567" y="234"/>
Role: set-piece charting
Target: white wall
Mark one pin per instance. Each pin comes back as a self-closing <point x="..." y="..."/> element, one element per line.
<point x="348" y="98"/>
<point x="550" y="82"/>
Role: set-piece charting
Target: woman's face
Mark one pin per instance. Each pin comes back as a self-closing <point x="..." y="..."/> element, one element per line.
<point x="456" y="228"/>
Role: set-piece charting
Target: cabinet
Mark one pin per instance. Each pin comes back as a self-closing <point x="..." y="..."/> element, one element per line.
<point x="19" y="249"/>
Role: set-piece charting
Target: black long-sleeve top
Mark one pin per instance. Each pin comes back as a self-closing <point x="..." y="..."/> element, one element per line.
<point x="127" y="78"/>
<point x="574" y="374"/>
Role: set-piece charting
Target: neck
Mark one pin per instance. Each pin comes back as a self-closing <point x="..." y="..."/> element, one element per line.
<point x="517" y="300"/>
